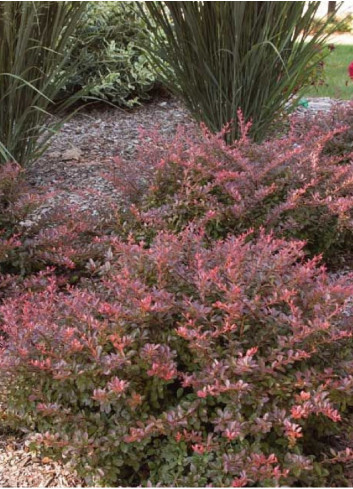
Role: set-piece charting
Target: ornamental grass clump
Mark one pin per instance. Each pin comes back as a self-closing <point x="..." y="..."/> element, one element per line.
<point x="222" y="56"/>
<point x="34" y="46"/>
<point x="185" y="363"/>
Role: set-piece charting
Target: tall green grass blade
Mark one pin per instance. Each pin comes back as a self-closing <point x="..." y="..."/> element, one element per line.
<point x="35" y="42"/>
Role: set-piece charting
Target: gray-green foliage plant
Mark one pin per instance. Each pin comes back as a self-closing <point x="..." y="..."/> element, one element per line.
<point x="34" y="40"/>
<point x="114" y="67"/>
<point x="221" y="56"/>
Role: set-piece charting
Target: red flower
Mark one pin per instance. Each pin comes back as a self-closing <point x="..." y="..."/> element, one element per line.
<point x="350" y="70"/>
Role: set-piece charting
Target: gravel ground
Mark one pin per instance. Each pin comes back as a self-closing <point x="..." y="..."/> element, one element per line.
<point x="72" y="168"/>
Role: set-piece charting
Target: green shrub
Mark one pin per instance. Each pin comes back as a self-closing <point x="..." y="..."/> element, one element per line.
<point x="222" y="56"/>
<point x="34" y="39"/>
<point x="113" y="66"/>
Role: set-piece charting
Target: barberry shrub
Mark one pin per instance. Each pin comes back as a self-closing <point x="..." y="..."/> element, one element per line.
<point x="16" y="202"/>
<point x="63" y="238"/>
<point x="341" y="114"/>
<point x="32" y="240"/>
<point x="296" y="186"/>
<point x="185" y="363"/>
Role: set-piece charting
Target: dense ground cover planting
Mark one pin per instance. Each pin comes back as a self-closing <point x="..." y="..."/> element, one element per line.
<point x="220" y="374"/>
<point x="189" y="333"/>
<point x="194" y="338"/>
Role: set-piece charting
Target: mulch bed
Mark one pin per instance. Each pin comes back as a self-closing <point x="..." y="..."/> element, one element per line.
<point x="21" y="468"/>
<point x="72" y="168"/>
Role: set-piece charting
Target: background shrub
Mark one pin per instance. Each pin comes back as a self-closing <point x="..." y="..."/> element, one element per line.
<point x="186" y="363"/>
<point x="113" y="66"/>
<point x="222" y="56"/>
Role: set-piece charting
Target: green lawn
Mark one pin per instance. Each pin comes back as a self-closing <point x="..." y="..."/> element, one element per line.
<point x="337" y="82"/>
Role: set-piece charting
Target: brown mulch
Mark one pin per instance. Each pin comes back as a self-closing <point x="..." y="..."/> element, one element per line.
<point x="21" y="468"/>
<point x="73" y="166"/>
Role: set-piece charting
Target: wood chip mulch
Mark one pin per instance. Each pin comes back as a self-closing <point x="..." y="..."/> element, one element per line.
<point x="21" y="468"/>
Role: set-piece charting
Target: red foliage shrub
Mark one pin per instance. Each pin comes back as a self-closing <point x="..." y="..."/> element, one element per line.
<point x="199" y="347"/>
<point x="31" y="240"/>
<point x="63" y="238"/>
<point x="290" y="185"/>
<point x="340" y="115"/>
<point x="186" y="363"/>
<point x="15" y="203"/>
<point x="15" y="199"/>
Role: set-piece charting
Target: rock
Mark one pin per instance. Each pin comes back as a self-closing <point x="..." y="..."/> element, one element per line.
<point x="27" y="223"/>
<point x="54" y="154"/>
<point x="72" y="154"/>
